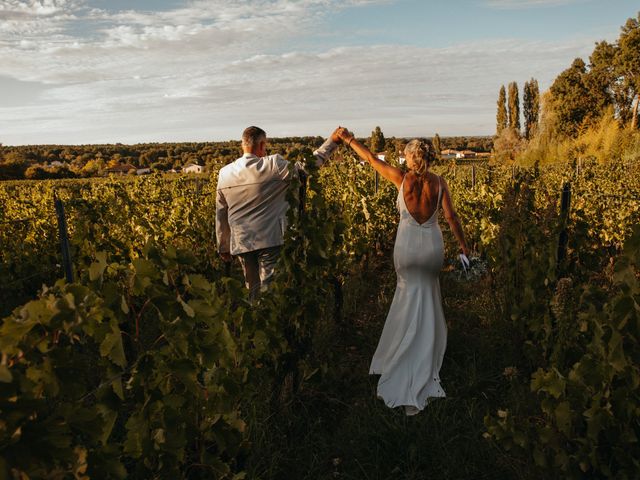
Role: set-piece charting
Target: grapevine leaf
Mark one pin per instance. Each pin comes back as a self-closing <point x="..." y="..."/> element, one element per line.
<point x="97" y="268"/>
<point x="112" y="348"/>
<point x="5" y="374"/>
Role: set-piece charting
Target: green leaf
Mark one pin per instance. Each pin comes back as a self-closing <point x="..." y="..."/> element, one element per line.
<point x="112" y="348"/>
<point x="187" y="308"/>
<point x="97" y="268"/>
<point x="137" y="434"/>
<point x="145" y="268"/>
<point x="117" y="387"/>
<point x="159" y="437"/>
<point x="5" y="374"/>
<point x="110" y="416"/>
<point x="551" y="382"/>
<point x="617" y="358"/>
<point x="203" y="308"/>
<point x="563" y="418"/>
<point x="124" y="306"/>
<point x="200" y="282"/>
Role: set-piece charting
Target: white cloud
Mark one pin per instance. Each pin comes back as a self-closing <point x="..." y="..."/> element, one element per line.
<point x="519" y="4"/>
<point x="22" y="8"/>
<point x="206" y="70"/>
<point x="405" y="90"/>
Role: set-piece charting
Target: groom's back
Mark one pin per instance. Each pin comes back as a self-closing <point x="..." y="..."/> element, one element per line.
<point x="254" y="189"/>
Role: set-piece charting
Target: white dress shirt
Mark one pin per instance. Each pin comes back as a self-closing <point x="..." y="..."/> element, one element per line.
<point x="251" y="204"/>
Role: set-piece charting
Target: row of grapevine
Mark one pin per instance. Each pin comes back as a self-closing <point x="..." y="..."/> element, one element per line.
<point x="117" y="216"/>
<point x="140" y="367"/>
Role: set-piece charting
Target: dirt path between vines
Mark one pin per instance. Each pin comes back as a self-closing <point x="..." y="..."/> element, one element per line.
<point x="338" y="429"/>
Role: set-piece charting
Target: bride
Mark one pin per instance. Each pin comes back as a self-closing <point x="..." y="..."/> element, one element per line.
<point x="414" y="337"/>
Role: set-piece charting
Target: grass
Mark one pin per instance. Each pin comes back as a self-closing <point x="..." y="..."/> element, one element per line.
<point x="336" y="428"/>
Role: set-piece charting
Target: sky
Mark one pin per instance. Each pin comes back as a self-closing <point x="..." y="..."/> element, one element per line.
<point x="108" y="71"/>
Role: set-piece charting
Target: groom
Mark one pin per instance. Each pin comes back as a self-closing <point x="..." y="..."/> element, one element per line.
<point x="251" y="206"/>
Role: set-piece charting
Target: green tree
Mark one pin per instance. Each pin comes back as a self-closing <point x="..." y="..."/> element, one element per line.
<point x="93" y="167"/>
<point x="601" y="78"/>
<point x="14" y="163"/>
<point x="502" y="117"/>
<point x="628" y="67"/>
<point x="36" y="172"/>
<point x="377" y="141"/>
<point x="437" y="144"/>
<point x="514" y="107"/>
<point x="571" y="99"/>
<point x="507" y="146"/>
<point x="530" y="106"/>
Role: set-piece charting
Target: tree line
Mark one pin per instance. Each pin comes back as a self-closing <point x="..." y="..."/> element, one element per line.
<point x="75" y="161"/>
<point x="78" y="161"/>
<point x="378" y="144"/>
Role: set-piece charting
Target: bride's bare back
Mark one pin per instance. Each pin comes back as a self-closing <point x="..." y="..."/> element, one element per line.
<point x="421" y="195"/>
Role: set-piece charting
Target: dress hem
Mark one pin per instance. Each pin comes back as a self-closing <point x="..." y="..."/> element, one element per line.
<point x="409" y="404"/>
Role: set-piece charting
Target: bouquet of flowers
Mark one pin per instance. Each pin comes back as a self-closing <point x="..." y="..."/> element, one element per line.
<point x="471" y="268"/>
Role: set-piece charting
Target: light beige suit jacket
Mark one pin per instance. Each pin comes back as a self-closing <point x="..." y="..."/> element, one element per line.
<point x="251" y="205"/>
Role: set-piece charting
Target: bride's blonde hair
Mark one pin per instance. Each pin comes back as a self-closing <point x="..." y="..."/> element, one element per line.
<point x="423" y="154"/>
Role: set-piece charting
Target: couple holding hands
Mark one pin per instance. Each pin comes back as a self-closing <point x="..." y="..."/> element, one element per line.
<point x="251" y="212"/>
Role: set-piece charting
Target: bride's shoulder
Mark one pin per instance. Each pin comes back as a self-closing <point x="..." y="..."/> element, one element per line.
<point x="434" y="179"/>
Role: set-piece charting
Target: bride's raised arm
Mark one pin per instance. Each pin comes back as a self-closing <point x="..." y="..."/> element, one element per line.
<point x="389" y="172"/>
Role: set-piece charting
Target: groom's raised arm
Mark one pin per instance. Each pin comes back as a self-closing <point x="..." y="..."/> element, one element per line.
<point x="323" y="153"/>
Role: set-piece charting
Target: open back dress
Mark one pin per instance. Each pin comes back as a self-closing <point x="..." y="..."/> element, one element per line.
<point x="414" y="338"/>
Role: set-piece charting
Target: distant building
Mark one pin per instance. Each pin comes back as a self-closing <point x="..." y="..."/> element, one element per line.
<point x="467" y="154"/>
<point x="449" y="154"/>
<point x="193" y="168"/>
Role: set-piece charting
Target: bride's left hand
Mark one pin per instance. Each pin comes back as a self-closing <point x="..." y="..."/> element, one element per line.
<point x="464" y="260"/>
<point x="345" y="135"/>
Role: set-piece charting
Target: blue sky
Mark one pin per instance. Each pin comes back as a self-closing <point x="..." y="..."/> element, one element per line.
<point x="105" y="71"/>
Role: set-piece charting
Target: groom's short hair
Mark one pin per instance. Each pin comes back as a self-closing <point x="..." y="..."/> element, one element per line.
<point x="252" y="136"/>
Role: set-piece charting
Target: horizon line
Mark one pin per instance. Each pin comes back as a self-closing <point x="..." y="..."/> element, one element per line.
<point x="2" y="145"/>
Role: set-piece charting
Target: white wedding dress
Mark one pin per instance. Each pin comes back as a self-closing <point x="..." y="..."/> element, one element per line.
<point x="414" y="337"/>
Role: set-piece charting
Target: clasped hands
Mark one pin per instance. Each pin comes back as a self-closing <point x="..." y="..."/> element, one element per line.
<point x="341" y="134"/>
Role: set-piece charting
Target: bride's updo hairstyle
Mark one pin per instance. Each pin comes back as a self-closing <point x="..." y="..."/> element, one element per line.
<point x="422" y="153"/>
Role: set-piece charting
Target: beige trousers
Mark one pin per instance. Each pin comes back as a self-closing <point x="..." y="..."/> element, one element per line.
<point x="259" y="269"/>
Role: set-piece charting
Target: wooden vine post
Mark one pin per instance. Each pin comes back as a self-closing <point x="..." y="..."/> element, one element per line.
<point x="563" y="239"/>
<point x="64" y="239"/>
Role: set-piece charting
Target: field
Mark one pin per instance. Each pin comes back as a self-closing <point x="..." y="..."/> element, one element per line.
<point x="151" y="364"/>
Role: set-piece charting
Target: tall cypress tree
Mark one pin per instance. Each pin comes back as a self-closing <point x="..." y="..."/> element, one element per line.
<point x="514" y="107"/>
<point x="530" y="107"/>
<point x="437" y="144"/>
<point x="501" y="116"/>
<point x="377" y="141"/>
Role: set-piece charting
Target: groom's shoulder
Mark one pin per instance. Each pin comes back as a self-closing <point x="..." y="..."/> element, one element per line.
<point x="226" y="169"/>
<point x="275" y="162"/>
<point x="275" y="158"/>
<point x="229" y="170"/>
